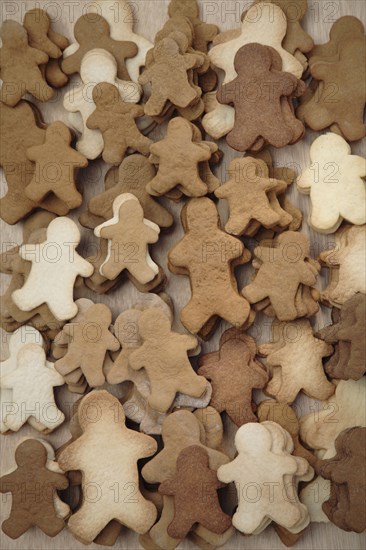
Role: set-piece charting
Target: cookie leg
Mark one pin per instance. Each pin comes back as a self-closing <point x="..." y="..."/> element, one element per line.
<point x="16" y="525"/>
<point x="51" y="528"/>
<point x="82" y="527"/>
<point x="155" y="105"/>
<point x="194" y="317"/>
<point x="39" y="88"/>
<point x="284" y="306"/>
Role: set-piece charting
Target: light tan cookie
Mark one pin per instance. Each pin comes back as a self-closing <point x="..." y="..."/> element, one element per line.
<point x="296" y="363"/>
<point x="129" y="234"/>
<point x="108" y="425"/>
<point x="89" y="342"/>
<point x="334" y="182"/>
<point x="169" y="369"/>
<point x="208" y="255"/>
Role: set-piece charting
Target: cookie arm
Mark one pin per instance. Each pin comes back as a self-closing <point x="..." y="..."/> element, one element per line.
<point x="136" y="360"/>
<point x="174" y="255"/>
<point x="190" y="61"/>
<point x="39" y="57"/>
<point x="7" y="484"/>
<point x="84" y="268"/>
<point x="226" y="472"/>
<point x="307" y="277"/>
<point x="60" y="481"/>
<point x="168" y="487"/>
<point x="146" y="76"/>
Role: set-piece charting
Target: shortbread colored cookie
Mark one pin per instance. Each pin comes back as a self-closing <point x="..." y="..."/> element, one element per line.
<point x="168" y="75"/>
<point x="335" y="183"/>
<point x="296" y="363"/>
<point x="56" y="167"/>
<point x="20" y="338"/>
<point x="234" y="373"/>
<point x="19" y="64"/>
<point x="265" y="26"/>
<point x="208" y="256"/>
<point x="192" y="479"/>
<point x="129" y="235"/>
<point x="19" y="131"/>
<point x="126" y="447"/>
<point x="89" y="342"/>
<point x="42" y="37"/>
<point x="180" y="429"/>
<point x="32" y="475"/>
<point x="350" y="259"/>
<point x="93" y="32"/>
<point x="246" y="193"/>
<point x="32" y="384"/>
<point x="52" y="283"/>
<point x="347" y="475"/>
<point x="258" y="463"/>
<point x="296" y="38"/>
<point x="348" y="333"/>
<point x="97" y="66"/>
<point x="282" y="268"/>
<point x="285" y="416"/>
<point x="253" y="66"/>
<point x="115" y="118"/>
<point x="178" y="157"/>
<point x="163" y="354"/>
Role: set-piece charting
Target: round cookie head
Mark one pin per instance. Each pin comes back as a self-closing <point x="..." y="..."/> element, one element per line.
<point x="92" y="70"/>
<point x="29" y="355"/>
<point x="105" y="94"/>
<point x="324" y="146"/>
<point x="90" y="27"/>
<point x="59" y="133"/>
<point x="65" y="229"/>
<point x="129" y="174"/>
<point x="249" y="433"/>
<point x="345" y="25"/>
<point x="99" y="409"/>
<point x="195" y="207"/>
<point x="252" y="57"/>
<point x="180" y="425"/>
<point x="188" y="8"/>
<point x="13" y="33"/>
<point x="37" y="455"/>
<point x="153" y="322"/>
<point x="296" y="241"/>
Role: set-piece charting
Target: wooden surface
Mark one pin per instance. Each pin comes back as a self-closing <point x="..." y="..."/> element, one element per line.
<point x="150" y="16"/>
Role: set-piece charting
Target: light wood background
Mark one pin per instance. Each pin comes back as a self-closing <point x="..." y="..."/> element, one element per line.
<point x="150" y="15"/>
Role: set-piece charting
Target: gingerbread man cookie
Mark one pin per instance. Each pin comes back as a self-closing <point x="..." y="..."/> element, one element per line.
<point x="129" y="234"/>
<point x="19" y="65"/>
<point x="51" y="281"/>
<point x="32" y="477"/>
<point x="234" y="373"/>
<point x="119" y="465"/>
<point x="167" y="367"/>
<point x="92" y="31"/>
<point x="116" y="120"/>
<point x="56" y="155"/>
<point x="207" y="254"/>
<point x="335" y="183"/>
<point x="281" y="270"/>
<point x="192" y="479"/>
<point x="32" y="384"/>
<point x="178" y="157"/>
<point x="296" y="362"/>
<point x="90" y="341"/>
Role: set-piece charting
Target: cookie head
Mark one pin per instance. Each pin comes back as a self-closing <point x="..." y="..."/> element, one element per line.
<point x="180" y="128"/>
<point x="90" y="27"/>
<point x="345" y="25"/>
<point x="253" y="439"/>
<point x="100" y="410"/>
<point x="325" y="147"/>
<point x="38" y="20"/>
<point x="93" y="71"/>
<point x="253" y="59"/>
<point x="31" y="452"/>
<point x="166" y="48"/>
<point x="136" y="169"/>
<point x="195" y="454"/>
<point x="31" y="355"/>
<point x="194" y="210"/>
<point x="294" y="246"/>
<point x="105" y="94"/>
<point x="188" y="8"/>
<point x="58" y="133"/>
<point x="13" y="34"/>
<point x="153" y="322"/>
<point x="63" y="229"/>
<point x="180" y="425"/>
